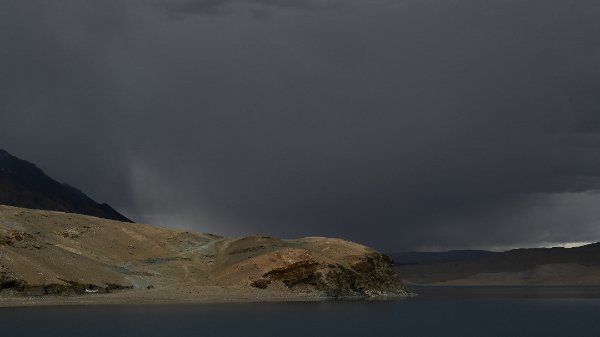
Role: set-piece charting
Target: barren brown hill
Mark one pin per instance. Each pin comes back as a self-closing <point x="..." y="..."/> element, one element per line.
<point x="88" y="259"/>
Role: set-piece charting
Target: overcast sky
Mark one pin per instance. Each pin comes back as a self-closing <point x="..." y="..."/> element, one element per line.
<point x="418" y="124"/>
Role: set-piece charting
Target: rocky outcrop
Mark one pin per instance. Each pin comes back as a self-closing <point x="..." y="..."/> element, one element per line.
<point x="19" y="239"/>
<point x="371" y="276"/>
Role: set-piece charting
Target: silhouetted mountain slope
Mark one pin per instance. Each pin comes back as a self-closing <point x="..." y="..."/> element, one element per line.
<point x="23" y="184"/>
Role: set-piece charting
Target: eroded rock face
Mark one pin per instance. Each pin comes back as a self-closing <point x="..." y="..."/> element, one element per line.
<point x="8" y="279"/>
<point x="371" y="276"/>
<point x="302" y="272"/>
<point x="375" y="275"/>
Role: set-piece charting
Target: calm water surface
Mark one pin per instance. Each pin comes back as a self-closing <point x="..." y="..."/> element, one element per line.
<point x="466" y="312"/>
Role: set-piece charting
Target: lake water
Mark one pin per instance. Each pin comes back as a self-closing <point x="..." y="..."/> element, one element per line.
<point x="506" y="313"/>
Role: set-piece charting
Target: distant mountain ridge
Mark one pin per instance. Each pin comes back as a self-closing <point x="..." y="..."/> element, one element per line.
<point x="23" y="184"/>
<point x="525" y="266"/>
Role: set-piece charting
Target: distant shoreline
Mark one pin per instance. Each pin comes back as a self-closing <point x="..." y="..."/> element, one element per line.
<point x="506" y="291"/>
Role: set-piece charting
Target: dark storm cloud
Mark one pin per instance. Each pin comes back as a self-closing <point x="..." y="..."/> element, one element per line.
<point x="401" y="124"/>
<point x="210" y="7"/>
<point x="57" y="94"/>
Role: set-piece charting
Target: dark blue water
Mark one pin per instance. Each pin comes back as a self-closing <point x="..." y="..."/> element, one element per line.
<point x="424" y="316"/>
